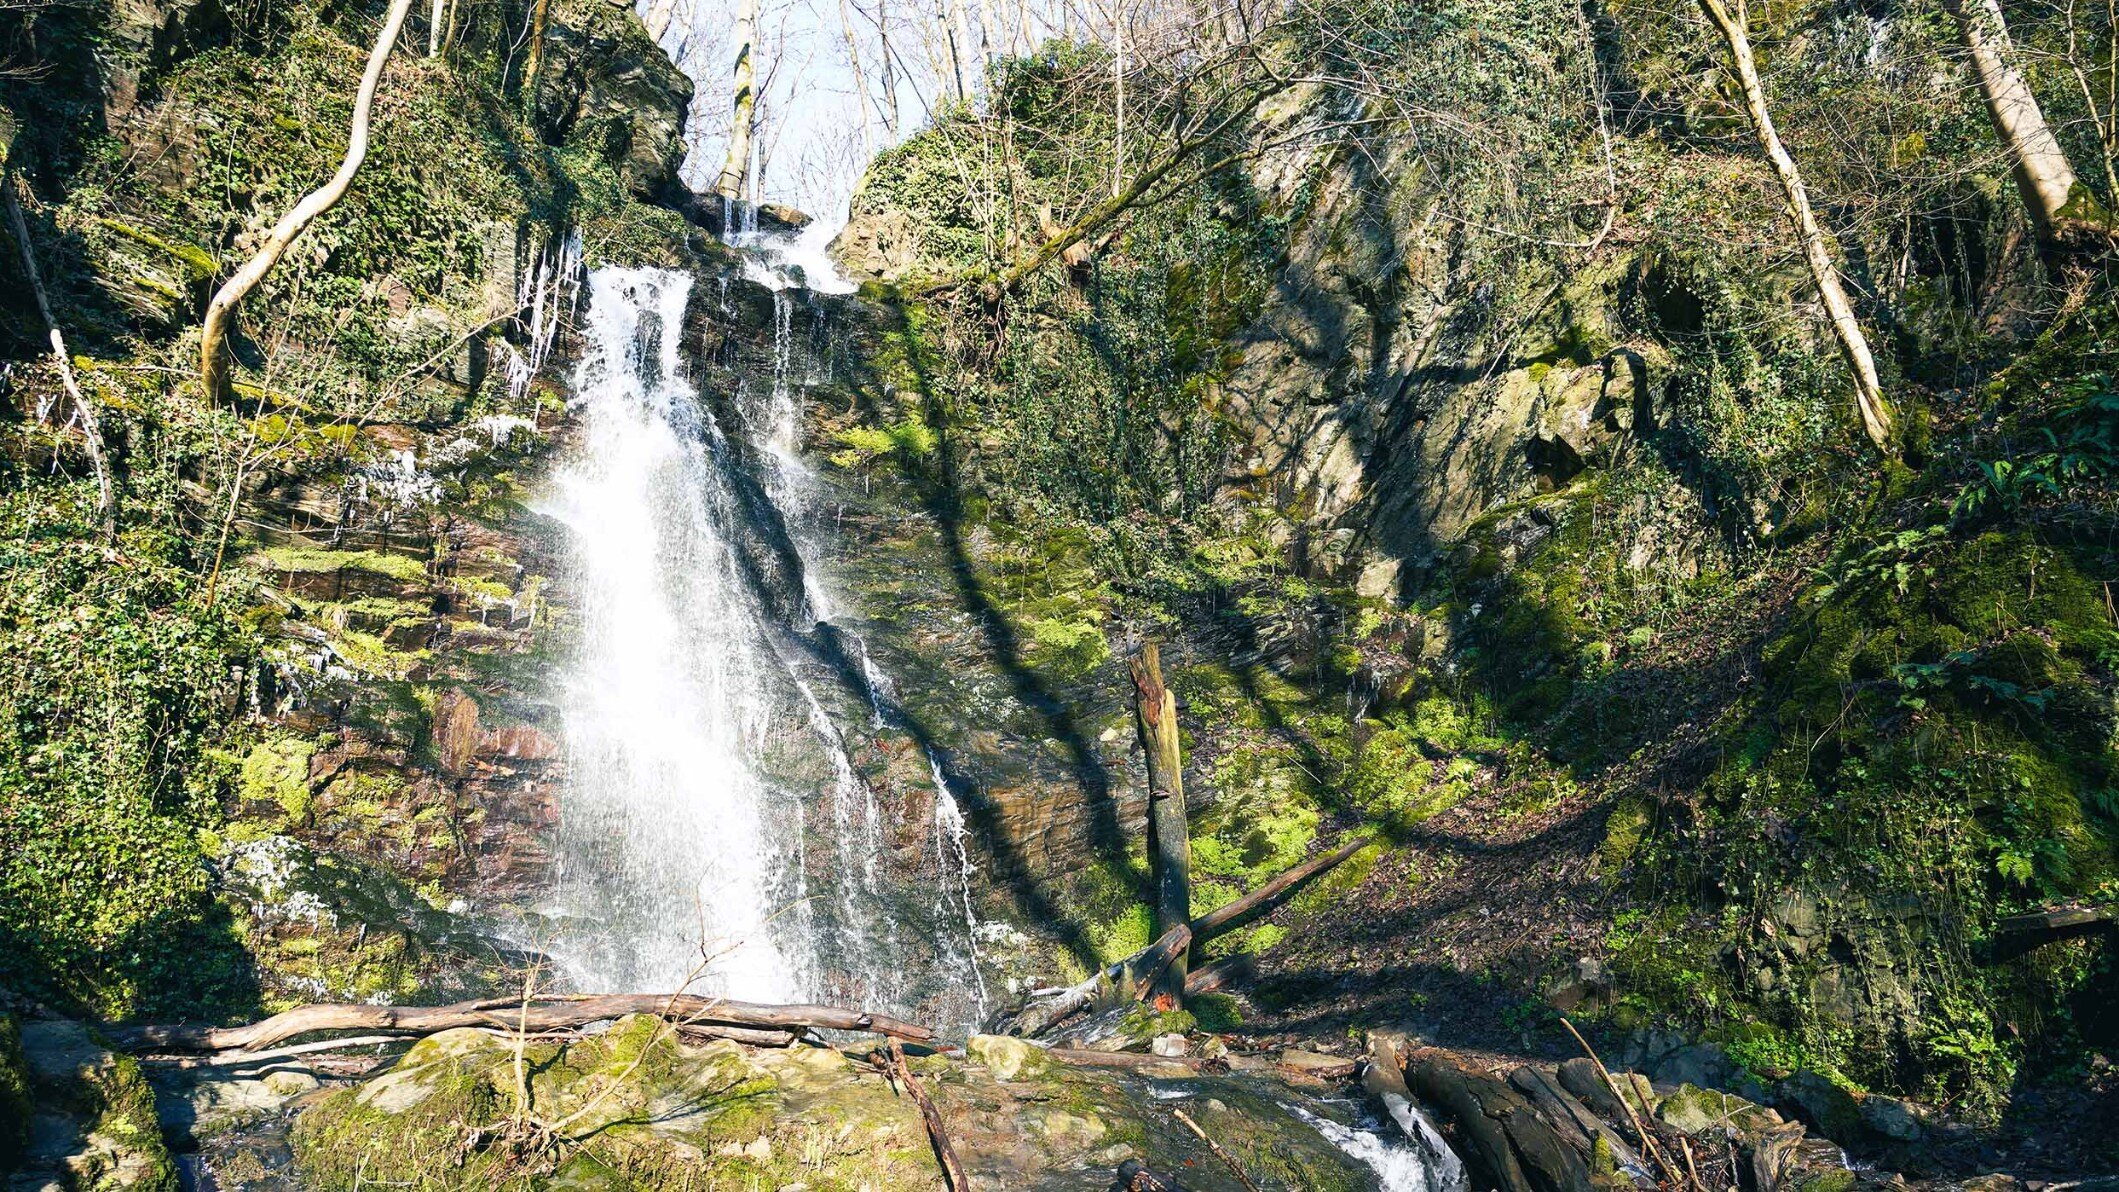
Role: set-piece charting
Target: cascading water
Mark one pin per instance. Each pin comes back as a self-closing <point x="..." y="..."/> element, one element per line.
<point x="669" y="841"/>
<point x="714" y="827"/>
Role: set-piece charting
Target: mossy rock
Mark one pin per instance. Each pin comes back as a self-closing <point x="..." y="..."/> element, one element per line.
<point x="94" y="1127"/>
<point x="637" y="1107"/>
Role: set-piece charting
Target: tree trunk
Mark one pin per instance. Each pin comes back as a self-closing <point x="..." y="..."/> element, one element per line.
<point x="1148" y="963"/>
<point x="1868" y="389"/>
<point x="1041" y="1014"/>
<point x="737" y="168"/>
<point x="1169" y="838"/>
<point x="1229" y="917"/>
<point x="509" y="1013"/>
<point x="91" y="428"/>
<point x="214" y="360"/>
<point x="540" y="20"/>
<point x="890" y="71"/>
<point x="860" y="82"/>
<point x="2043" y="176"/>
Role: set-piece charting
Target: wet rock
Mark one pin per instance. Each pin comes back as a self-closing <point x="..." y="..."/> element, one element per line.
<point x="197" y="1103"/>
<point x="1827" y="1108"/>
<point x="1893" y="1118"/>
<point x="1708" y="1066"/>
<point x="94" y="1123"/>
<point x="663" y="1111"/>
<point x="1007" y="1057"/>
<point x="1694" y="1110"/>
<point x="1169" y="1046"/>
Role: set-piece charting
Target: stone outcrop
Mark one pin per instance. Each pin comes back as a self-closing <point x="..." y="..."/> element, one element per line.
<point x="609" y="88"/>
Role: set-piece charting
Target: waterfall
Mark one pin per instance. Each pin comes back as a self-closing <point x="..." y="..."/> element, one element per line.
<point x="714" y="827"/>
<point x="669" y="840"/>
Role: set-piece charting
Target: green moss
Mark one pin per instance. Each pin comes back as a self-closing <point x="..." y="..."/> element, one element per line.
<point x="307" y="561"/>
<point x="127" y="1124"/>
<point x="1215" y="1012"/>
<point x="638" y="1106"/>
<point x="276" y="770"/>
<point x="1122" y="935"/>
<point x="197" y="262"/>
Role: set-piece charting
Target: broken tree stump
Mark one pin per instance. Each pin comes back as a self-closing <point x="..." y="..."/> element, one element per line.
<point x="1169" y="837"/>
<point x="1504" y="1134"/>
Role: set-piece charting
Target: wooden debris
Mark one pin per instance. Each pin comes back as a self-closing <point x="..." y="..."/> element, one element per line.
<point x="1565" y="1111"/>
<point x="514" y="1014"/>
<point x="1227" y="918"/>
<point x="1169" y="840"/>
<point x="1222" y="974"/>
<point x="952" y="1167"/>
<point x="1042" y="1015"/>
<point x="1504" y="1134"/>
<point x="1224" y="1156"/>
<point x="2019" y="934"/>
<point x="1039" y="1015"/>
<point x="1648" y="1143"/>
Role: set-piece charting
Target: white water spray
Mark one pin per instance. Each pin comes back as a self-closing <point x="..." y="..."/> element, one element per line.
<point x="1399" y="1167"/>
<point x="668" y="838"/>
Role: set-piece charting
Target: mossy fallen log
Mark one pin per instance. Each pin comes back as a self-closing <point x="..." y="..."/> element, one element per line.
<point x="539" y="1015"/>
<point x="1151" y="960"/>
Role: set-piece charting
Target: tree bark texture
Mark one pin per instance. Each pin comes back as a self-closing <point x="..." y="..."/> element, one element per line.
<point x="509" y="1013"/>
<point x="214" y="359"/>
<point x="736" y="169"/>
<point x="1868" y="388"/>
<point x="1169" y="837"/>
<point x="2044" y="176"/>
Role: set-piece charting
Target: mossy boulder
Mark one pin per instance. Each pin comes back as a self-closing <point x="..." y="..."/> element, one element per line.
<point x="93" y="1128"/>
<point x="635" y="1106"/>
<point x="639" y="1107"/>
<point x="1007" y="1057"/>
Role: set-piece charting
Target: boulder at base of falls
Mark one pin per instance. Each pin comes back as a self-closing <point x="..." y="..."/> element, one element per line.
<point x="640" y="1107"/>
<point x="91" y="1116"/>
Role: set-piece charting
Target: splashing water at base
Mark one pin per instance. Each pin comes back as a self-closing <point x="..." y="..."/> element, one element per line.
<point x="1399" y="1167"/>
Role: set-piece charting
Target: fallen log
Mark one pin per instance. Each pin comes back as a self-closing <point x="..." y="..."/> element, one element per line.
<point x="1039" y="1015"/>
<point x="2019" y="934"/>
<point x="1222" y="974"/>
<point x="1504" y="1133"/>
<point x="952" y="1167"/>
<point x="1384" y="1077"/>
<point x="1146" y="969"/>
<point x="1572" y="1118"/>
<point x="511" y="1014"/>
<point x="1224" y="919"/>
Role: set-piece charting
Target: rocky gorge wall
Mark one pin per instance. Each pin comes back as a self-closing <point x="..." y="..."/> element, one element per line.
<point x="1552" y="564"/>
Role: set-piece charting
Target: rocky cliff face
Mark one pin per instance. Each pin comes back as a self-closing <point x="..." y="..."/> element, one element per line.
<point x="1513" y="552"/>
